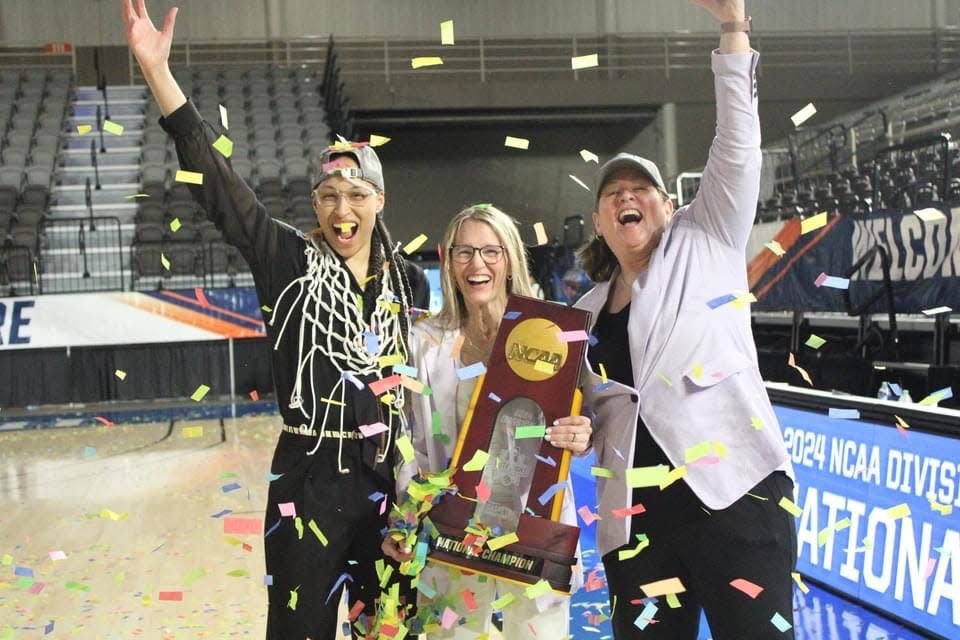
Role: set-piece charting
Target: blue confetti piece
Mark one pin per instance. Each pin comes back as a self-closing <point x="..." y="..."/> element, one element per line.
<point x="843" y="414"/>
<point x="780" y="622"/>
<point x="722" y="300"/>
<point x="619" y="455"/>
<point x="345" y="629"/>
<point x="835" y="282"/>
<point x="89" y="452"/>
<point x="646" y="616"/>
<point x="220" y="514"/>
<point x="23" y="572"/>
<point x="511" y="315"/>
<point x="943" y="394"/>
<point x="233" y="486"/>
<point x="473" y="371"/>
<point x="548" y="460"/>
<point x="376" y="496"/>
<point x="48" y="629"/>
<point x="371" y="341"/>
<point x="426" y="589"/>
<point x="272" y="529"/>
<point x="592" y="340"/>
<point x="273" y="476"/>
<point x="336" y="585"/>
<point x="897" y="389"/>
<point x="405" y="369"/>
<point x="349" y="377"/>
<point x="493" y="396"/>
<point x="547" y="495"/>
<point x="603" y="386"/>
<point x="268" y="580"/>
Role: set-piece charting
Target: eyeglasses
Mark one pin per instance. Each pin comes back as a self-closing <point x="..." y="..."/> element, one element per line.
<point x="463" y="253"/>
<point x="330" y="198"/>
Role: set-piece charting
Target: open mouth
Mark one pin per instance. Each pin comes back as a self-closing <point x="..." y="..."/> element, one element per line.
<point x="478" y="281"/>
<point x="630" y="216"/>
<point x="345" y="230"/>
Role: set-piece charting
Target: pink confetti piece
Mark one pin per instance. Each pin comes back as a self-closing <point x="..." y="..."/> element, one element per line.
<point x="573" y="336"/>
<point x="931" y="563"/>
<point x="449" y="618"/>
<point x="379" y="387"/>
<point x="588" y="516"/>
<point x="483" y="492"/>
<point x="242" y="526"/>
<point x="747" y="587"/>
<point x="373" y="429"/>
<point x="58" y="555"/>
<point x="287" y="510"/>
<point x="629" y="511"/>
<point x="171" y="596"/>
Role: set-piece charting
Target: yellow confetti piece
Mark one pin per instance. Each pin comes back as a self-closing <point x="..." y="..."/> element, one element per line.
<point x="191" y="432"/>
<point x="224" y="145"/>
<point x="544" y="367"/>
<point x="298" y="525"/>
<point x="502" y="602"/>
<point x="589" y="156"/>
<point x="579" y="181"/>
<point x="673" y="476"/>
<point x="815" y="341"/>
<point x="516" y="143"/>
<point x="540" y="588"/>
<point x="626" y="554"/>
<point x="775" y="247"/>
<point x="175" y="225"/>
<point x="647" y="476"/>
<point x="476" y="463"/>
<point x="84" y="129"/>
<point x="120" y="373"/>
<point x="333" y="402"/>
<point x="199" y="394"/>
<point x="316" y="531"/>
<point x="107" y="514"/>
<point x="803" y="115"/>
<point x="134" y="196"/>
<point x="662" y="587"/>
<point x="266" y="309"/>
<point x="501" y="541"/>
<point x="292" y="602"/>
<point x="541" y="234"/>
<point x="901" y="510"/>
<point x="673" y="601"/>
<point x="665" y="379"/>
<point x="189" y="177"/>
<point x="585" y="62"/>
<point x="756" y="423"/>
<point x="697" y="372"/>
<point x="813" y="223"/>
<point x="113" y="127"/>
<point x="378" y="141"/>
<point x="942" y="509"/>
<point x="601" y="472"/>
<point x="406" y="448"/>
<point x="425" y="61"/>
<point x="415" y="244"/>
<point x="446" y="33"/>
<point x="901" y="422"/>
<point x="790" y="507"/>
<point x="389" y="361"/>
<point x="165" y="261"/>
<point x="603" y="374"/>
<point x="796" y="578"/>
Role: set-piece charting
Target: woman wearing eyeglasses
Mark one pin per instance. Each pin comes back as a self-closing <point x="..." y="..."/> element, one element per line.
<point x="338" y="301"/>
<point x="483" y="262"/>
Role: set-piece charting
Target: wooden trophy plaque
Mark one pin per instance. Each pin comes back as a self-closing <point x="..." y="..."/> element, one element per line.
<point x="531" y="380"/>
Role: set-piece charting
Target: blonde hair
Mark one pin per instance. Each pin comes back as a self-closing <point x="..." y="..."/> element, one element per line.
<point x="454" y="311"/>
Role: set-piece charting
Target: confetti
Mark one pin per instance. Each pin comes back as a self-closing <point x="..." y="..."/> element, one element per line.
<point x="502" y="602"/>
<point x="775" y="247"/>
<point x="541" y="234"/>
<point x="780" y="622"/>
<point x="516" y="143"/>
<point x="588" y="516"/>
<point x="223" y="117"/>
<point x="540" y="588"/>
<point x="483" y="492"/>
<point x="224" y="145"/>
<point x="84" y="129"/>
<point x="501" y="541"/>
<point x="242" y="526"/>
<point x="191" y="432"/>
<point x="626" y="512"/>
<point x="646" y="476"/>
<point x="446" y="32"/>
<point x="813" y="223"/>
<point x="589" y="156"/>
<point x="378" y="141"/>
<point x="936" y="311"/>
<point x="791" y="361"/>
<point x="171" y="596"/>
<point x="747" y="587"/>
<point x="530" y="432"/>
<point x="425" y="61"/>
<point x="579" y="181"/>
<point x="227" y="488"/>
<point x="790" y="507"/>
<point x="369" y="430"/>
<point x="585" y="62"/>
<point x="796" y="578"/>
<point x="189" y="177"/>
<point x="901" y="510"/>
<point x="405" y="447"/>
<point x="113" y="127"/>
<point x="937" y="396"/>
<point x="287" y="510"/>
<point x="548" y="495"/>
<point x="415" y="244"/>
<point x="662" y="587"/>
<point x="511" y="315"/>
<point x="815" y="341"/>
<point x="930" y="215"/>
<point x="316" y="531"/>
<point x="843" y="414"/>
<point x="601" y="472"/>
<point x="121" y="374"/>
<point x="832" y="282"/>
<point x="646" y="616"/>
<point x="803" y="115"/>
<point x="199" y="394"/>
<point x="476" y="463"/>
<point x="165" y="261"/>
<point x="472" y="371"/>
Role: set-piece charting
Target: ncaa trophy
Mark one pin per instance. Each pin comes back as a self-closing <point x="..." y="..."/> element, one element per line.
<point x="531" y="380"/>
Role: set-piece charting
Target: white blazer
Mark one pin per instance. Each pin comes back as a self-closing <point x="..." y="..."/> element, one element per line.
<point x="695" y="371"/>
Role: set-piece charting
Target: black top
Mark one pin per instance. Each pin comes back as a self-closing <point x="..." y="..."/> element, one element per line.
<point x="276" y="255"/>
<point x="675" y="504"/>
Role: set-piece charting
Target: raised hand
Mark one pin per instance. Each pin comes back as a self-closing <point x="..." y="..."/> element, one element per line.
<point x="724" y="10"/>
<point x="150" y="47"/>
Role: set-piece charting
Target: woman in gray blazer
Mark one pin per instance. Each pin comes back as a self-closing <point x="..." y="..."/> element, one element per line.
<point x="683" y="423"/>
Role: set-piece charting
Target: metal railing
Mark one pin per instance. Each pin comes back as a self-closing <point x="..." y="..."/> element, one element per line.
<point x="19" y="274"/>
<point x="33" y="56"/>
<point x="919" y="50"/>
<point x="82" y="254"/>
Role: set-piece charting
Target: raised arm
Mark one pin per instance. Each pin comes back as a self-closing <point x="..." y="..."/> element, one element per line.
<point x="727" y="198"/>
<point x="151" y="48"/>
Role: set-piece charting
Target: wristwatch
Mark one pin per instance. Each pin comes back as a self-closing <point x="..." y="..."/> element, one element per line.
<point x="737" y="26"/>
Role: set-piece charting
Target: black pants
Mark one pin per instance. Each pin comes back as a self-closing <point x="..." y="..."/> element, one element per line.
<point x="752" y="539"/>
<point x="339" y="504"/>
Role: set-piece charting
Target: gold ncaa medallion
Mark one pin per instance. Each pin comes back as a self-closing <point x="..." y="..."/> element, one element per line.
<point x="533" y="350"/>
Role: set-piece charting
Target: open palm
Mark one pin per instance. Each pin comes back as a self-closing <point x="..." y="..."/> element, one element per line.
<point x="723" y="10"/>
<point x="150" y="47"/>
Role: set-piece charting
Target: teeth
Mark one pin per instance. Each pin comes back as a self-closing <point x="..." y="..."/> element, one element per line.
<point x="346" y="228"/>
<point x="477" y="279"/>
<point x="631" y="215"/>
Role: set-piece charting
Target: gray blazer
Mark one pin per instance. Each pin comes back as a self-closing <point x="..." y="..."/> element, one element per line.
<point x="695" y="372"/>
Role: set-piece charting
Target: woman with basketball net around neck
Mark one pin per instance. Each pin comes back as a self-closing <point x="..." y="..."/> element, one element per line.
<point x="339" y="300"/>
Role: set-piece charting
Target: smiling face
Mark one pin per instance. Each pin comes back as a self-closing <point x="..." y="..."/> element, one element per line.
<point x="347" y="211"/>
<point x="631" y="215"/>
<point x="479" y="283"/>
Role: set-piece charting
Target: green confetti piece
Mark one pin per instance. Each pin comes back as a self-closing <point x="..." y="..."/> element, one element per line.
<point x="815" y="341"/>
<point x="647" y="476"/>
<point x="530" y="431"/>
<point x="175" y="225"/>
<point x="601" y="472"/>
<point x="229" y="475"/>
<point x="503" y="602"/>
<point x="7" y="560"/>
<point x="238" y="573"/>
<point x="298" y="523"/>
<point x="165" y="262"/>
<point x="119" y="578"/>
<point x="436" y="423"/>
<point x="292" y="602"/>
<point x="541" y="588"/>
<point x="23" y="582"/>
<point x="224" y="145"/>
<point x="113" y="127"/>
<point x="266" y="309"/>
<point x="7" y="633"/>
<point x="476" y="463"/>
<point x="316" y="531"/>
<point x="405" y="447"/>
<point x="77" y="586"/>
<point x="193" y="576"/>
<point x="790" y="507"/>
<point x="673" y="601"/>
<point x="387" y="572"/>
<point x="199" y="394"/>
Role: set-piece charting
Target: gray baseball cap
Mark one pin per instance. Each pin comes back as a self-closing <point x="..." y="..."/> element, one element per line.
<point x="628" y="161"/>
<point x="370" y="168"/>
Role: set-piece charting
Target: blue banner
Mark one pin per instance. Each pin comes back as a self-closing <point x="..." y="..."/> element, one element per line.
<point x="924" y="269"/>
<point x="880" y="518"/>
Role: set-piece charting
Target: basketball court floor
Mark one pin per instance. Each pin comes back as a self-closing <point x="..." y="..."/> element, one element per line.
<point x="112" y="531"/>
